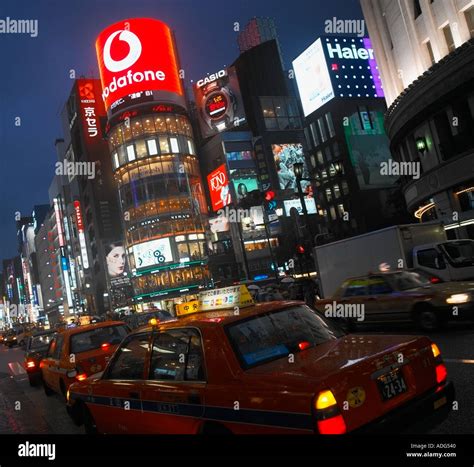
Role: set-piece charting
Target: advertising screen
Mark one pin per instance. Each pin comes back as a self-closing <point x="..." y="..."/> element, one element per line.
<point x="243" y="186"/>
<point x="369" y="148"/>
<point x="219" y="102"/>
<point x="239" y="156"/>
<point x="296" y="203"/>
<point x="152" y="253"/>
<point x="116" y="260"/>
<point x="219" y="224"/>
<point x="285" y="156"/>
<point x="134" y="56"/>
<point x="219" y="189"/>
<point x="336" y="66"/>
<point x="312" y="78"/>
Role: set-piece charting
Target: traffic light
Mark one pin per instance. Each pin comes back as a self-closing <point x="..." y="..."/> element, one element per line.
<point x="300" y="249"/>
<point x="257" y="198"/>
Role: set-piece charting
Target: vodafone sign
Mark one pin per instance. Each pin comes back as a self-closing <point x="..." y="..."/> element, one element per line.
<point x="137" y="55"/>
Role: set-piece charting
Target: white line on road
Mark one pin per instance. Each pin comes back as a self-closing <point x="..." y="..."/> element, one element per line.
<point x="458" y="360"/>
<point x="16" y="368"/>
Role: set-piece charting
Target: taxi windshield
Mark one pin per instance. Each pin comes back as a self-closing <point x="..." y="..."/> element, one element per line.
<point x="40" y="342"/>
<point x="93" y="339"/>
<point x="270" y="336"/>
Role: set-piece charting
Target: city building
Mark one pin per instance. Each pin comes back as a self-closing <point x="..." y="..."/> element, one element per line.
<point x="342" y="100"/>
<point x="425" y="52"/>
<point x="154" y="161"/>
<point x="252" y="134"/>
<point x="257" y="31"/>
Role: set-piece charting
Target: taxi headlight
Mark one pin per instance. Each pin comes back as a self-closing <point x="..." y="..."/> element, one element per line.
<point x="458" y="298"/>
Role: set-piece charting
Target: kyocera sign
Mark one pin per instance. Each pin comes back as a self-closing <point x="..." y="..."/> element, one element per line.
<point x="137" y="55"/>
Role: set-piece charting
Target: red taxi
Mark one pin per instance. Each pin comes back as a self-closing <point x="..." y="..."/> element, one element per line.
<point x="75" y="353"/>
<point x="273" y="368"/>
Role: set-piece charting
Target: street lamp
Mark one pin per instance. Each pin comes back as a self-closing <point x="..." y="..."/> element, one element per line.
<point x="298" y="169"/>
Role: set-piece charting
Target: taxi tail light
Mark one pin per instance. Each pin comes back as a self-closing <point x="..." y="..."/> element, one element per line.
<point x="441" y="373"/>
<point x="30" y="364"/>
<point x="81" y="377"/>
<point x="435" y="350"/>
<point x="328" y="416"/>
<point x="105" y="346"/>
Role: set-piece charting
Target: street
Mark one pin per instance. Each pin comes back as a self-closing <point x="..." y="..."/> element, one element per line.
<point x="26" y="410"/>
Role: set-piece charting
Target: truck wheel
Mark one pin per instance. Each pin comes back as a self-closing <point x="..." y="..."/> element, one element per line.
<point x="427" y="318"/>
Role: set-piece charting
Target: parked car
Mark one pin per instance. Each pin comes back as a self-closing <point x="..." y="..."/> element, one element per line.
<point x="400" y="296"/>
<point x="78" y="352"/>
<point x="273" y="368"/>
<point x="36" y="349"/>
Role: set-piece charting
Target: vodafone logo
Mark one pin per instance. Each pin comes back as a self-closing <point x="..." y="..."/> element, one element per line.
<point x="135" y="51"/>
<point x="137" y="55"/>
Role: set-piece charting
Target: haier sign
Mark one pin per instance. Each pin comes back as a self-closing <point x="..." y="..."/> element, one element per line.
<point x="336" y="67"/>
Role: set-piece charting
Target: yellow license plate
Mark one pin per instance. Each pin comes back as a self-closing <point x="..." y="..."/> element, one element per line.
<point x="440" y="402"/>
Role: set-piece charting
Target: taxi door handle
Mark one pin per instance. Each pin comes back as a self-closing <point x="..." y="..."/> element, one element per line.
<point x="134" y="395"/>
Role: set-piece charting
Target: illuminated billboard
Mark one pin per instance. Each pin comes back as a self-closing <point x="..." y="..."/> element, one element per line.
<point x="154" y="252"/>
<point x="219" y="189"/>
<point x="219" y="102"/>
<point x="369" y="147"/>
<point x="285" y="156"/>
<point x="296" y="203"/>
<point x="136" y="56"/>
<point x="81" y="234"/>
<point x="243" y="186"/>
<point x="336" y="66"/>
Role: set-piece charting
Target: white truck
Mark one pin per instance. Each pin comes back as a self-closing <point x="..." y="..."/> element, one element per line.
<point x="421" y="246"/>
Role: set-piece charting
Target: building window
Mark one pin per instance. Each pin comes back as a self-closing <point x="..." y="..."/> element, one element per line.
<point x="337" y="191"/>
<point x="330" y="125"/>
<point x="191" y="147"/>
<point x="174" y="145"/>
<point x="164" y="146"/>
<point x="430" y="52"/>
<point x="328" y="195"/>
<point x="448" y="35"/>
<point x="308" y="139"/>
<point x="417" y="8"/>
<point x="141" y="148"/>
<point x="319" y="155"/>
<point x="152" y="148"/>
<point x="322" y="130"/>
<point x="131" y="153"/>
<point x="469" y="14"/>
<point x="345" y="187"/>
<point x="314" y="133"/>
<point x="332" y="210"/>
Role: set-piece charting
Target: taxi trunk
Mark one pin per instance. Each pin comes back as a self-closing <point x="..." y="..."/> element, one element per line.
<point x="93" y="361"/>
<point x="366" y="377"/>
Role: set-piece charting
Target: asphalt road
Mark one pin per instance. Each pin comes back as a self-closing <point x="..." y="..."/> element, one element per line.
<point x="26" y="410"/>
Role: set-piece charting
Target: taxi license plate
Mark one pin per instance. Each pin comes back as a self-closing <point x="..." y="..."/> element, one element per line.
<point x="391" y="385"/>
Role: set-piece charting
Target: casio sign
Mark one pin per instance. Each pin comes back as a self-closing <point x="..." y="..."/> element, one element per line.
<point x="211" y="78"/>
<point x="350" y="53"/>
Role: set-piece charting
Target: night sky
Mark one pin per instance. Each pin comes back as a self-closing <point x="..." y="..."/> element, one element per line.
<point x="34" y="76"/>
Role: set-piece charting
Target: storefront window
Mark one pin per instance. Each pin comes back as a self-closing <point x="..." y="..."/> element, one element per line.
<point x="152" y="148"/>
<point x="171" y="124"/>
<point x="127" y="132"/>
<point x="148" y="125"/>
<point x="164" y="146"/>
<point x="174" y="145"/>
<point x="137" y="127"/>
<point x="160" y="124"/>
<point x="141" y="148"/>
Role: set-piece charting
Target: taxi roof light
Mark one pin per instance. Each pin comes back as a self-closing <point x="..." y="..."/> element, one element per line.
<point x="435" y="350"/>
<point x="154" y="322"/>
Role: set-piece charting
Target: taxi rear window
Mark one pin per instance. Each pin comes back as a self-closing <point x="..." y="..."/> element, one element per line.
<point x="93" y="339"/>
<point x="270" y="336"/>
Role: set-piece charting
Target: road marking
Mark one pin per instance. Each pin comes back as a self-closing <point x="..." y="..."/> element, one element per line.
<point x="458" y="360"/>
<point x="16" y="368"/>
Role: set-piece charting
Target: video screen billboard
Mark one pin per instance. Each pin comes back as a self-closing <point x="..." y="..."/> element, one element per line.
<point x="134" y="56"/>
<point x="285" y="156"/>
<point x="218" y="182"/>
<point x="313" y="79"/>
<point x="336" y="66"/>
<point x="219" y="102"/>
<point x="243" y="186"/>
<point x="152" y="253"/>
<point x="116" y="261"/>
<point x="369" y="147"/>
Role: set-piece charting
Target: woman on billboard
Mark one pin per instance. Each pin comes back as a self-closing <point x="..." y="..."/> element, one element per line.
<point x="115" y="256"/>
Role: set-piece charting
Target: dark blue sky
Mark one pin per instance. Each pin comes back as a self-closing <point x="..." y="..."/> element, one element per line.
<point x="34" y="76"/>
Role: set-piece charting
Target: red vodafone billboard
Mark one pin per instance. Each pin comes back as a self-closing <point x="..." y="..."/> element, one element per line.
<point x="134" y="56"/>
